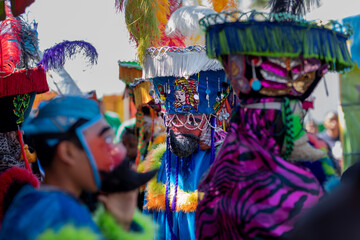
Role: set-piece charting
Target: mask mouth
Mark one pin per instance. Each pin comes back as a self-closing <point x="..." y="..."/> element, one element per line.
<point x="183" y="144"/>
<point x="123" y="178"/>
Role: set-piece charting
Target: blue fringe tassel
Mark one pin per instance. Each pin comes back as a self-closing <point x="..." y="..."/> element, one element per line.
<point x="212" y="158"/>
<point x="54" y="58"/>
<point x="168" y="211"/>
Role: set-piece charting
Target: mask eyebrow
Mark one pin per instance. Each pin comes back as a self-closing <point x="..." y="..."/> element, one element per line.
<point x="104" y="130"/>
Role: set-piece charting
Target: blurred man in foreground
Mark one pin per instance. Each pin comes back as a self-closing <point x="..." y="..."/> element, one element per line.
<point x="75" y="147"/>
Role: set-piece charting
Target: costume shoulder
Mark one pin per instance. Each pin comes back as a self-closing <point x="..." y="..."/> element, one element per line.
<point x="33" y="211"/>
<point x="142" y="227"/>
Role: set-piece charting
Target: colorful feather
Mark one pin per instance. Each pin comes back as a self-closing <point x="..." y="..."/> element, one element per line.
<point x="297" y="7"/>
<point x="164" y="11"/>
<point x="119" y="5"/>
<point x="174" y="5"/>
<point x="55" y="57"/>
<point x="146" y="21"/>
<point x="220" y="5"/>
<point x="10" y="43"/>
<point x="29" y="46"/>
<point x="142" y="24"/>
<point x="184" y="22"/>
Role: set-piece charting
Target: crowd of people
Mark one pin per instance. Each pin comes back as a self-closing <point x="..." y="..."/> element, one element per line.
<point x="217" y="148"/>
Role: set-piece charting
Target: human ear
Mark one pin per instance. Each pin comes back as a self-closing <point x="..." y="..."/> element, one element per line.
<point x="66" y="151"/>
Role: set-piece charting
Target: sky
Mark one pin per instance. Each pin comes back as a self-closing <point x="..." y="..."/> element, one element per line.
<point x="97" y="22"/>
<point x="93" y="21"/>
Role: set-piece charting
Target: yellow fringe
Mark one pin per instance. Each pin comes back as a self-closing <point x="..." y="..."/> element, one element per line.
<point x="159" y="139"/>
<point x="185" y="201"/>
<point x="153" y="159"/>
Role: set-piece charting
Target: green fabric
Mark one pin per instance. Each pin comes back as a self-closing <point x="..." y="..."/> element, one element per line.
<point x="289" y="133"/>
<point x="108" y="226"/>
<point x="329" y="170"/>
<point x="350" y="101"/>
<point x="130" y="65"/>
<point x="112" y="231"/>
<point x="321" y="127"/>
<point x="298" y="127"/>
<point x="126" y="124"/>
<point x="69" y="232"/>
<point x="112" y="118"/>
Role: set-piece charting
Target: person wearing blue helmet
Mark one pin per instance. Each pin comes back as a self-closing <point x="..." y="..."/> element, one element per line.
<point x="74" y="145"/>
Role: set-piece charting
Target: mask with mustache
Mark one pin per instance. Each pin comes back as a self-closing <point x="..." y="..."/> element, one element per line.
<point x="183" y="145"/>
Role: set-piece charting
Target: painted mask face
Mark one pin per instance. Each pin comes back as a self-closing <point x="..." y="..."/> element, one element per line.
<point x="186" y="96"/>
<point x="273" y="76"/>
<point x="180" y="97"/>
<point x="185" y="133"/>
<point x="96" y="136"/>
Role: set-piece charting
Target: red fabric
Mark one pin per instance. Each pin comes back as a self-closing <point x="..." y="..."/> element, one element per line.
<point x="18" y="6"/>
<point x="18" y="176"/>
<point x="307" y="105"/>
<point x="317" y="142"/>
<point x="24" y="81"/>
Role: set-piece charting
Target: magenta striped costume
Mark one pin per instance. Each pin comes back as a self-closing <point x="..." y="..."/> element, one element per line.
<point x="250" y="192"/>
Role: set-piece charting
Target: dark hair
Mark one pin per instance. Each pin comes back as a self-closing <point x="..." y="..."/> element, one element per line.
<point x="331" y="114"/>
<point x="311" y="121"/>
<point x="45" y="151"/>
<point x="129" y="131"/>
<point x="146" y="110"/>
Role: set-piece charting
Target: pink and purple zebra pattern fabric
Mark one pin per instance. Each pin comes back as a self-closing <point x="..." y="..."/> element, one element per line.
<point x="250" y="192"/>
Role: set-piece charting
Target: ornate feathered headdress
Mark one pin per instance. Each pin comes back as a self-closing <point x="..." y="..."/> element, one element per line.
<point x="20" y="79"/>
<point x="146" y="21"/>
<point x="276" y="54"/>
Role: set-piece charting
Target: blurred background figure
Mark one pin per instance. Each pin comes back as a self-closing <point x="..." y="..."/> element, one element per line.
<point x="311" y="127"/>
<point x="130" y="140"/>
<point x="331" y="135"/>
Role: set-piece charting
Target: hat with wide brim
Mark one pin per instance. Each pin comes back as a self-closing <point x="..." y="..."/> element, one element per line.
<point x="275" y="55"/>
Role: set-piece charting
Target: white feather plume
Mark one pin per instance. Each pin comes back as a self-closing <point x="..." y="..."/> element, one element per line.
<point x="185" y="22"/>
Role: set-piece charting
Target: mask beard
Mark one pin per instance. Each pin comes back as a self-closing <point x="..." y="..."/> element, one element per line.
<point x="183" y="145"/>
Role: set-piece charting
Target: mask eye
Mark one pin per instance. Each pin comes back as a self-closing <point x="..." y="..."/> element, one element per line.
<point x="109" y="139"/>
<point x="193" y="122"/>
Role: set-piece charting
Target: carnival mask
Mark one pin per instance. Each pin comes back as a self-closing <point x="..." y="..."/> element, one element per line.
<point x="186" y="133"/>
<point x="97" y="137"/>
<point x="272" y="77"/>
